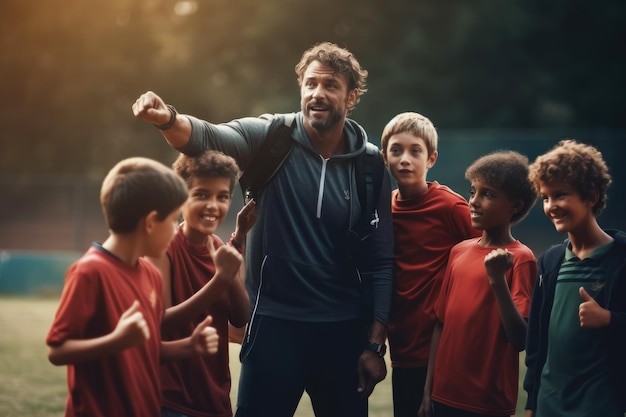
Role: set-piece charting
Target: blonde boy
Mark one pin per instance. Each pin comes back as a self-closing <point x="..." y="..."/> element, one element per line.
<point x="428" y="219"/>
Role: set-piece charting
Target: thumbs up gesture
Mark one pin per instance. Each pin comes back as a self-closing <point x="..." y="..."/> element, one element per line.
<point x="204" y="338"/>
<point x="591" y="315"/>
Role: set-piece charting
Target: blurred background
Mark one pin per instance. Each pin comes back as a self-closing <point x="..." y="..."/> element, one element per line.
<point x="490" y="74"/>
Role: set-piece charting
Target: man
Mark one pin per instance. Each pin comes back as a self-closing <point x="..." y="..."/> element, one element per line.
<point x="305" y="257"/>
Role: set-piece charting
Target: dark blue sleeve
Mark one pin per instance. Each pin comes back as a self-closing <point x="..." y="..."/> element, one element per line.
<point x="378" y="249"/>
<point x="239" y="138"/>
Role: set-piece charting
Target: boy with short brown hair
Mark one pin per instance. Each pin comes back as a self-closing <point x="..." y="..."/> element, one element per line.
<point x="576" y="340"/>
<point x="107" y="326"/>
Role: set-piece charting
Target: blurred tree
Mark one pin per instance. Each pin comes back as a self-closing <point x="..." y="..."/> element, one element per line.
<point x="70" y="70"/>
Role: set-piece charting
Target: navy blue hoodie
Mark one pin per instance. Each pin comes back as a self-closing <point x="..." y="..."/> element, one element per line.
<point x="611" y="297"/>
<point x="298" y="252"/>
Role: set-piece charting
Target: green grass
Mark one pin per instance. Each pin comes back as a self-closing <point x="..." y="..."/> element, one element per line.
<point x="31" y="386"/>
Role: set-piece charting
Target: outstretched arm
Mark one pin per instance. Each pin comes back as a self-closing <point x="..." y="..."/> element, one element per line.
<point x="131" y="331"/>
<point x="497" y="262"/>
<point x="152" y="109"/>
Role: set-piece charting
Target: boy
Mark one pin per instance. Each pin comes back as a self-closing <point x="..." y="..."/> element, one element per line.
<point x="577" y="329"/>
<point x="428" y="219"/>
<point x="107" y="326"/>
<point x="473" y="368"/>
<point x="202" y="276"/>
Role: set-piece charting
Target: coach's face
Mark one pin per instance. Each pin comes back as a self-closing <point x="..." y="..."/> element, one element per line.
<point x="325" y="99"/>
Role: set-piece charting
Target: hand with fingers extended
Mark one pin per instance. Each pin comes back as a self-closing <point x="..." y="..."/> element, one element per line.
<point x="151" y="108"/>
<point x="204" y="338"/>
<point x="132" y="329"/>
<point x="590" y="314"/>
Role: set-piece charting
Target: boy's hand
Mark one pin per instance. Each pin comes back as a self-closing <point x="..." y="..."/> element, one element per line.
<point x="425" y="409"/>
<point x="132" y="329"/>
<point x="227" y="261"/>
<point x="151" y="108"/>
<point x="245" y="220"/>
<point x="497" y="262"/>
<point x="591" y="315"/>
<point x="205" y="338"/>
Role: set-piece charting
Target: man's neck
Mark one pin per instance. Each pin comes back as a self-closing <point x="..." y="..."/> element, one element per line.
<point x="329" y="142"/>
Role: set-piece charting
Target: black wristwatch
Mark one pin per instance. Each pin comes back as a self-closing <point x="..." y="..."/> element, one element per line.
<point x="377" y="348"/>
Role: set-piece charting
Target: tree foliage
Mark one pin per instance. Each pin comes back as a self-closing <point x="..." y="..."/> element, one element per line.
<point x="71" y="69"/>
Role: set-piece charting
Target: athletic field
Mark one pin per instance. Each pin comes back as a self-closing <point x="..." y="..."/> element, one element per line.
<point x="31" y="386"/>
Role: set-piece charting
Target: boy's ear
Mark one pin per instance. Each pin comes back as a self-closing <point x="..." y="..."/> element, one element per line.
<point x="149" y="221"/>
<point x="432" y="159"/>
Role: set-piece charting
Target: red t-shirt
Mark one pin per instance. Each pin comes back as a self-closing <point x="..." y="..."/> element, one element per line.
<point x="98" y="289"/>
<point x="425" y="229"/>
<point x="200" y="385"/>
<point x="477" y="368"/>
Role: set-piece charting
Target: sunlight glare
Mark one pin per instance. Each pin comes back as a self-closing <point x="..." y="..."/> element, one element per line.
<point x="185" y="8"/>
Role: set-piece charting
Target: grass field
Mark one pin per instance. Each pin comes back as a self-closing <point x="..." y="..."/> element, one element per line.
<point x="31" y="386"/>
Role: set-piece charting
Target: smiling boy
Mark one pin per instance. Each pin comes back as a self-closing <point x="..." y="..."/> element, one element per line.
<point x="201" y="275"/>
<point x="577" y="327"/>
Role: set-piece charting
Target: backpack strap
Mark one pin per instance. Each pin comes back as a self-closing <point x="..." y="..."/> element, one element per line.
<point x="369" y="167"/>
<point x="270" y="156"/>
